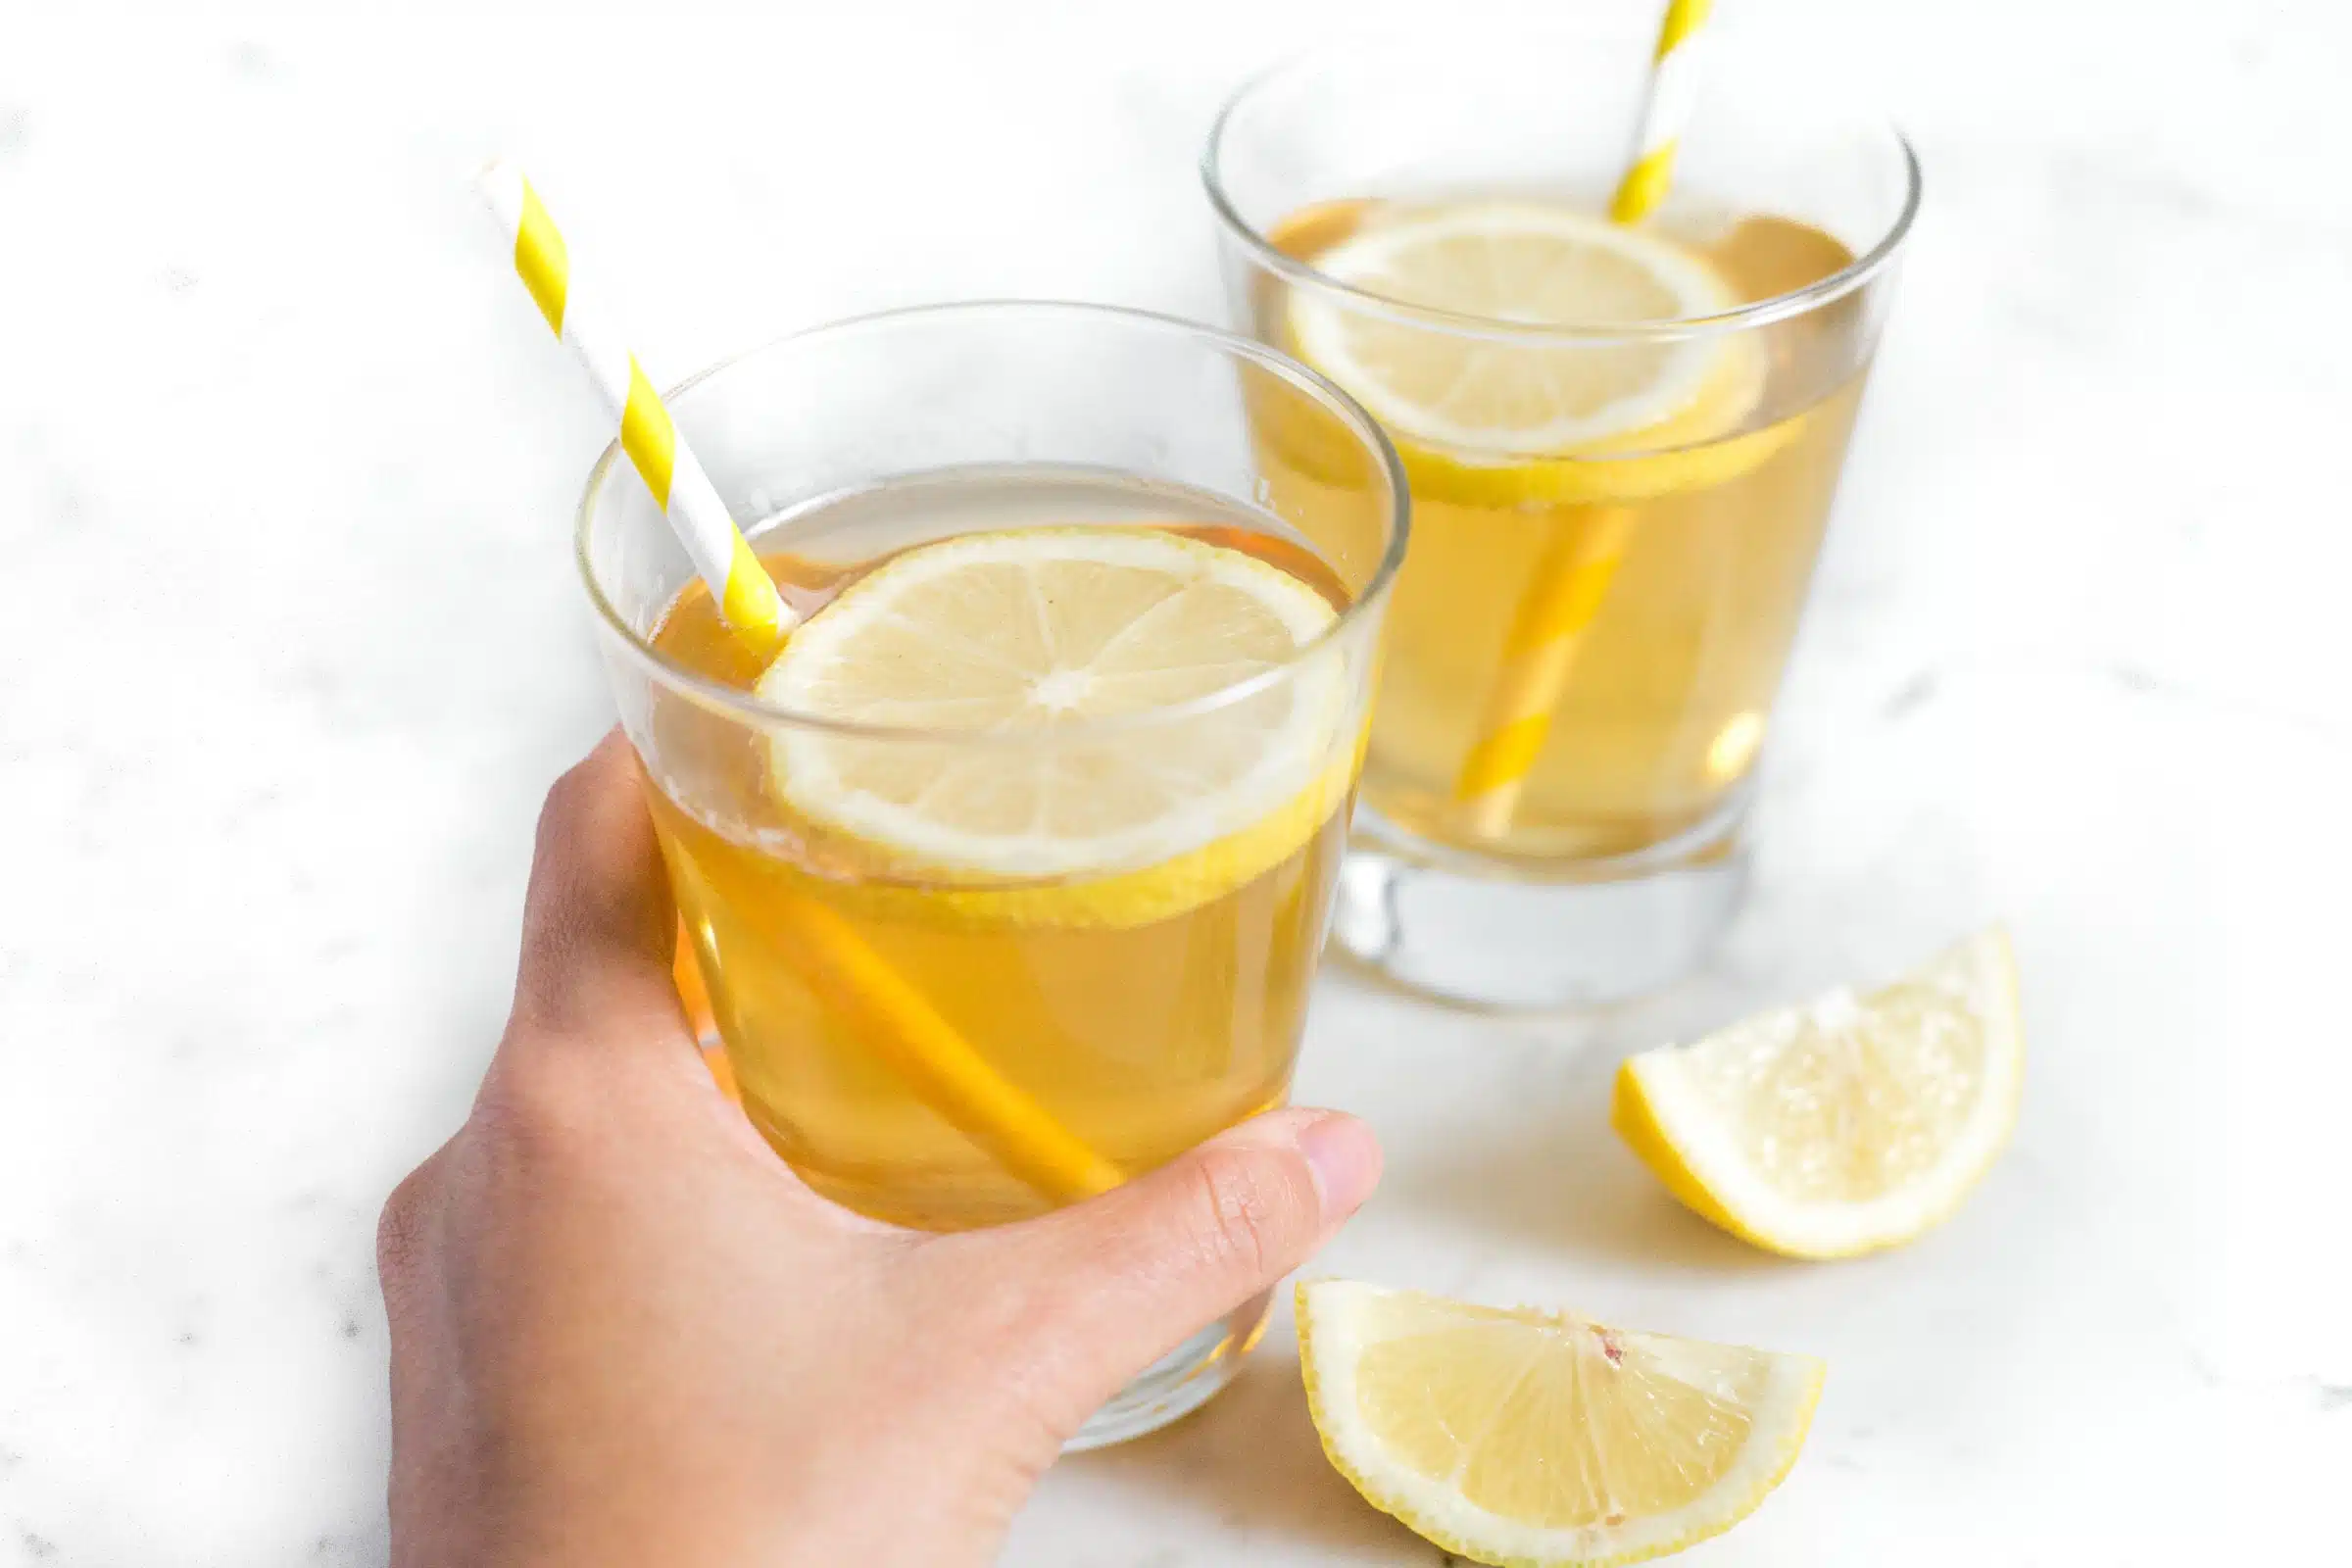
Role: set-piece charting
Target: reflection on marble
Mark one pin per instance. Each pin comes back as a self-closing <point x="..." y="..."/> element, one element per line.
<point x="291" y="648"/>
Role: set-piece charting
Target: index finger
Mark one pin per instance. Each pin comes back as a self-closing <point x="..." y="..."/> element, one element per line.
<point x="599" y="929"/>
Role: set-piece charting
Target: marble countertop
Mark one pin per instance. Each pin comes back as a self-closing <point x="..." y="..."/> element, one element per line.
<point x="289" y="648"/>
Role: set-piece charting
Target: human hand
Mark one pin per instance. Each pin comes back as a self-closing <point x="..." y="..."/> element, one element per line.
<point x="623" y="1332"/>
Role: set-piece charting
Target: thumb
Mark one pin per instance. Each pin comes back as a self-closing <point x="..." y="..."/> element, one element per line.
<point x="1128" y="1276"/>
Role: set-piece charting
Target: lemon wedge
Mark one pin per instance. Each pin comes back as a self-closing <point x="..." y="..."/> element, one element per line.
<point x="1539" y="1440"/>
<point x="1012" y="655"/>
<point x="1489" y="417"/>
<point x="1853" y="1123"/>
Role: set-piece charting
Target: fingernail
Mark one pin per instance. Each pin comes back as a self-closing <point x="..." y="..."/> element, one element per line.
<point x="1346" y="1159"/>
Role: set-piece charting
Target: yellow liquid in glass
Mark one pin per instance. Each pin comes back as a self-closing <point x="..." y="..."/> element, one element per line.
<point x="1140" y="1040"/>
<point x="1663" y="709"/>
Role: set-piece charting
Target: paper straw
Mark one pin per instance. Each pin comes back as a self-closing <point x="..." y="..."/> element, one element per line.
<point x="1573" y="578"/>
<point x="747" y="597"/>
<point x="895" y="1020"/>
<point x="1665" y="110"/>
<point x="901" y="1027"/>
<point x="906" y="1032"/>
<point x="1570" y="582"/>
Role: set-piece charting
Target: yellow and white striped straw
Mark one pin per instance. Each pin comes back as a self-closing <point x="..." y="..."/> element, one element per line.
<point x="1665" y="110"/>
<point x="1570" y="581"/>
<point x="895" y="1021"/>
<point x="1573" y="577"/>
<point x="746" y="595"/>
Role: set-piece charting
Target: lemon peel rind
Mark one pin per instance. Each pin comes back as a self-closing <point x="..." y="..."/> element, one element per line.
<point x="1121" y="900"/>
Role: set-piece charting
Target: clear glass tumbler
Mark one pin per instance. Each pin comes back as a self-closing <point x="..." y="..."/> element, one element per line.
<point x="1621" y="443"/>
<point x="938" y="1011"/>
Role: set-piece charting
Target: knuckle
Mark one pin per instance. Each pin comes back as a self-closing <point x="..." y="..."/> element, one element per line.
<point x="561" y="804"/>
<point x="1245" y="1207"/>
<point x="532" y="1105"/>
<point x="402" y="1228"/>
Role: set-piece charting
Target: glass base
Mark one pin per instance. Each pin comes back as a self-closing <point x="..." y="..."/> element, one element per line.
<point x="1465" y="928"/>
<point x="1179" y="1382"/>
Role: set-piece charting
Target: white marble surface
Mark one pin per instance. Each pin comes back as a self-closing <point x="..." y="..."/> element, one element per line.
<point x="289" y="647"/>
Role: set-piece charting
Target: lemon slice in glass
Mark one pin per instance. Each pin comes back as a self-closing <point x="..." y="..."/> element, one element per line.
<point x="1486" y="417"/>
<point x="1012" y="657"/>
<point x="1853" y="1123"/>
<point x="1538" y="1440"/>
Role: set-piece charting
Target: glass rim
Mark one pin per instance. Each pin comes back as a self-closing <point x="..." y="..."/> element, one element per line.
<point x="751" y="708"/>
<point x="1759" y="313"/>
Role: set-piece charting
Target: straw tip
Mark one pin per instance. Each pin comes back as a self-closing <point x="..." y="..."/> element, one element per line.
<point x="501" y="182"/>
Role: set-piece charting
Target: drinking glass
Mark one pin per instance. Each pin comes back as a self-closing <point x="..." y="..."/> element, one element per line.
<point x="947" y="1047"/>
<point x="1587" y="634"/>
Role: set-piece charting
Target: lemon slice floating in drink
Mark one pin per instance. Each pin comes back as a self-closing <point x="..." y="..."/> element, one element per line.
<point x="1010" y="636"/>
<point x="1499" y="418"/>
<point x="1539" y="1439"/>
<point x="1852" y="1124"/>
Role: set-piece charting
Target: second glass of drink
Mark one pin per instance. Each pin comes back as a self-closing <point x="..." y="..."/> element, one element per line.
<point x="1622" y="440"/>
